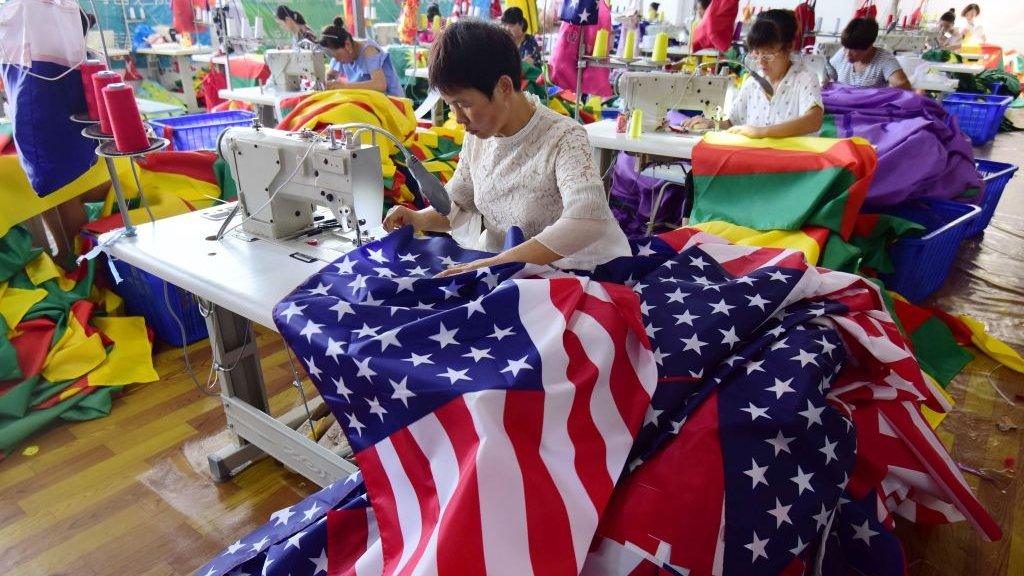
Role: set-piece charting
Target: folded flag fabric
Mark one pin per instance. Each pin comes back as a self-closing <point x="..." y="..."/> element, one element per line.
<point x="522" y="419"/>
<point x="781" y="184"/>
<point x="921" y="151"/>
<point x="60" y="359"/>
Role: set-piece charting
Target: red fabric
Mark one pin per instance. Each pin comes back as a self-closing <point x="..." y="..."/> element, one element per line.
<point x="33" y="344"/>
<point x="213" y="83"/>
<point x="715" y="30"/>
<point x="867" y="10"/>
<point x="804" y="22"/>
<point x="182" y="17"/>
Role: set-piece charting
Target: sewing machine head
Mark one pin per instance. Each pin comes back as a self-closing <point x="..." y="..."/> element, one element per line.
<point x="289" y="67"/>
<point x="658" y="92"/>
<point x="281" y="175"/>
<point x="903" y="41"/>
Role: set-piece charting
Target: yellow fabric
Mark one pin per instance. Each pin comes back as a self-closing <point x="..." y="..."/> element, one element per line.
<point x="131" y="359"/>
<point x="743" y="236"/>
<point x="168" y="194"/>
<point x="74" y="355"/>
<point x="20" y="201"/>
<point x="992" y="346"/>
<point x="932" y="417"/>
<point x="426" y="137"/>
<point x="108" y="301"/>
<point x="42" y="268"/>
<point x="15" y="303"/>
<point x="796" y="144"/>
<point x="348" y="106"/>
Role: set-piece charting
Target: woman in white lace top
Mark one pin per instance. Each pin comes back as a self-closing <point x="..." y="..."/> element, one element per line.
<point x="522" y="164"/>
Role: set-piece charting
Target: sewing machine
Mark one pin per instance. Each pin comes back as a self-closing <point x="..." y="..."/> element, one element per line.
<point x="289" y="67"/>
<point x="281" y="176"/>
<point x="655" y="93"/>
<point x="903" y="41"/>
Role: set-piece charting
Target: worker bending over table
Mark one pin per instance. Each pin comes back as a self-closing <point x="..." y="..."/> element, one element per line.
<point x="945" y="36"/>
<point x="861" y="63"/>
<point x="522" y="164"/>
<point x="795" y="108"/>
<point x="514" y="21"/>
<point x="295" y="23"/>
<point x="365" y="65"/>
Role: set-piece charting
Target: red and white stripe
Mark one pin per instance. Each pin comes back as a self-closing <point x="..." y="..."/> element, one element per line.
<point x="514" y="482"/>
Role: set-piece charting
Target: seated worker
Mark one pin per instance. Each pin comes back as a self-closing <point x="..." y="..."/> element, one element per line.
<point x="860" y="63"/>
<point x="972" y="31"/>
<point x="366" y="65"/>
<point x="514" y="21"/>
<point x="522" y="164"/>
<point x="945" y="35"/>
<point x="794" y="110"/>
<point x="294" y="23"/>
<point x="427" y="35"/>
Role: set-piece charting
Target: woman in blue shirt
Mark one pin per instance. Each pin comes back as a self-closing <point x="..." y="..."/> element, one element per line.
<point x="365" y="65"/>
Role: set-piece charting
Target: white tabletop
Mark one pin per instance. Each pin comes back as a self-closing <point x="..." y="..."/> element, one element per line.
<point x="247" y="278"/>
<point x="174" y="50"/>
<point x="150" y="107"/>
<point x="603" y="135"/>
<point x="419" y="72"/>
<point x="263" y="96"/>
<point x="953" y="67"/>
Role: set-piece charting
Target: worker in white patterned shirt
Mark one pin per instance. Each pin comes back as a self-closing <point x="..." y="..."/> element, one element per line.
<point x="861" y="63"/>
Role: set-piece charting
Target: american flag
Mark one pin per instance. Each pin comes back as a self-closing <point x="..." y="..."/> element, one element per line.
<point x="697" y="408"/>
<point x="500" y="399"/>
<point x="579" y="12"/>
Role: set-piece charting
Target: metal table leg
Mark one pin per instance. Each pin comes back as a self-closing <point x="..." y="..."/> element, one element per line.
<point x="255" y="432"/>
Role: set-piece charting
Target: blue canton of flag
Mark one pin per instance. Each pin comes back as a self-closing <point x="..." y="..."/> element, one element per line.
<point x="579" y="12"/>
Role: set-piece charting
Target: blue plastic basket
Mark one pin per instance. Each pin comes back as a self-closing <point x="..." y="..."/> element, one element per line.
<point x="922" y="264"/>
<point x="199" y="131"/>
<point x="143" y="295"/>
<point x="979" y="115"/>
<point x="995" y="176"/>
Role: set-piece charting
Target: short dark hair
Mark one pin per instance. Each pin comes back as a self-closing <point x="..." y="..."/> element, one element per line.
<point x="514" y="15"/>
<point x="704" y="3"/>
<point x="970" y="7"/>
<point x="336" y="35"/>
<point x="284" y="12"/>
<point x="764" y="33"/>
<point x="432" y="11"/>
<point x="948" y="16"/>
<point x="785" y="20"/>
<point x="474" y="54"/>
<point x="860" y="34"/>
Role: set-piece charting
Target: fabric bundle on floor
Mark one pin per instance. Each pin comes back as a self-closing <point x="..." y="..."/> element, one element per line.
<point x="521" y="418"/>
<point x="64" y="351"/>
<point x="921" y="151"/>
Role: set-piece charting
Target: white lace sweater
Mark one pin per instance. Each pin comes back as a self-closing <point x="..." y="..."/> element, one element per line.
<point x="543" y="180"/>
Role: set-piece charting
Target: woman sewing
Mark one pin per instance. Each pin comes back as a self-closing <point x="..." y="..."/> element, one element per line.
<point x="364" y="64"/>
<point x="794" y="108"/>
<point x="522" y="164"/>
<point x="863" y="64"/>
<point x="295" y="24"/>
<point x="514" y="21"/>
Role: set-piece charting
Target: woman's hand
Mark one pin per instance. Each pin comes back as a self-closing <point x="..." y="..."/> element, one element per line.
<point x="401" y="216"/>
<point x="467" y="266"/>
<point x="698" y="123"/>
<point x="749" y="131"/>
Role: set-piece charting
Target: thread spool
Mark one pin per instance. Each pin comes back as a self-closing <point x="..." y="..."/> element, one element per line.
<point x="630" y="47"/>
<point x="101" y="80"/>
<point x="129" y="132"/>
<point x="636" y="124"/>
<point x="423" y="21"/>
<point x="601" y="44"/>
<point x="88" y="68"/>
<point x="660" y="52"/>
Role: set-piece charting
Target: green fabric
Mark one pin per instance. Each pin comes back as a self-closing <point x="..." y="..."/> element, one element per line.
<point x="16" y="251"/>
<point x="46" y="390"/>
<point x="940" y="55"/>
<point x="534" y="77"/>
<point x="16" y="401"/>
<point x="776" y="201"/>
<point x="938" y="352"/>
<point x="9" y="369"/>
<point x="14" y="431"/>
<point x="874" y="247"/>
<point x="840" y="255"/>
<point x="828" y="127"/>
<point x="228" y="188"/>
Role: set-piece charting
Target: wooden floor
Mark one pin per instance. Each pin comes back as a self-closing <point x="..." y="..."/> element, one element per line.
<point x="131" y="493"/>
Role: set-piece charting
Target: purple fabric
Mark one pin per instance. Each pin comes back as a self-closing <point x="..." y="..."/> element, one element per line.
<point x="633" y="195"/>
<point x="921" y="151"/>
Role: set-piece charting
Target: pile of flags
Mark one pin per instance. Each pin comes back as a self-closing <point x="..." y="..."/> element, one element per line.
<point x="65" y="348"/>
<point x="699" y="407"/>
